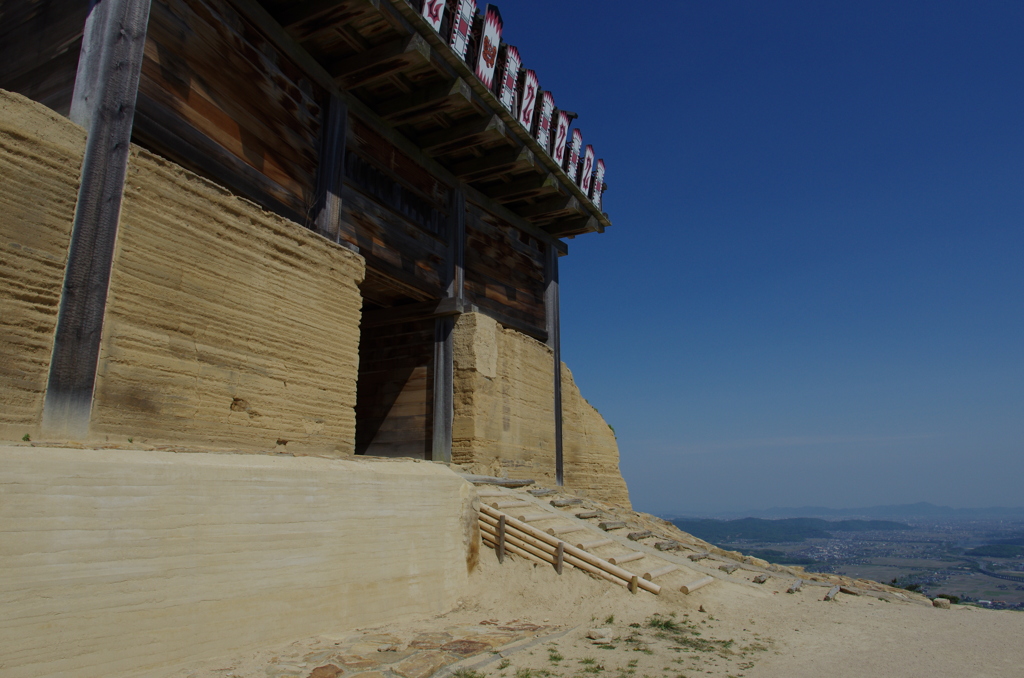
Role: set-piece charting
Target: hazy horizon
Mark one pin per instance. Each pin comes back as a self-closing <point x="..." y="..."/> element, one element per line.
<point x="812" y="292"/>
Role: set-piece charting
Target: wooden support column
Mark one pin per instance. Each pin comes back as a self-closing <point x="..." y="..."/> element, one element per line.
<point x="326" y="218"/>
<point x="444" y="349"/>
<point x="555" y="342"/>
<point x="106" y="87"/>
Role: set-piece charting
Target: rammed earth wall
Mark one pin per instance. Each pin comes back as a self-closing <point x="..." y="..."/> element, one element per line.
<point x="504" y="413"/>
<point x="40" y="162"/>
<point x="131" y="563"/>
<point x="226" y="326"/>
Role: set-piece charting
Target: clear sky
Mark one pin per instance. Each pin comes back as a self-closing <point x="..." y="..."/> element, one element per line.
<point x="813" y="289"/>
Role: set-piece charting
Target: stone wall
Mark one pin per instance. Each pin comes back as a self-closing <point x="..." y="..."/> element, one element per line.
<point x="225" y="326"/>
<point x="121" y="563"/>
<point x="504" y="414"/>
<point x="40" y="163"/>
<point x="590" y="451"/>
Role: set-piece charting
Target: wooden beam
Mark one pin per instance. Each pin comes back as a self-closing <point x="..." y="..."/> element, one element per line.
<point x="438" y="308"/>
<point x="553" y="321"/>
<point x="331" y="170"/>
<point x="550" y="207"/>
<point x="573" y="226"/>
<point x="292" y="14"/>
<point x="106" y="88"/>
<point x="527" y="187"/>
<point x="444" y="394"/>
<point x="461" y="137"/>
<point x="270" y="27"/>
<point x="380" y="62"/>
<point x="494" y="164"/>
<point x="426" y="102"/>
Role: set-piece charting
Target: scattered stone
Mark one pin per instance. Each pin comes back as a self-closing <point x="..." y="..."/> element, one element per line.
<point x="698" y="556"/>
<point x="422" y="664"/>
<point x="637" y="536"/>
<point x="832" y="593"/>
<point x="388" y="648"/>
<point x="572" y="501"/>
<point x="611" y="525"/>
<point x="600" y="635"/>
<point x="728" y="569"/>
<point x="465" y="647"/>
<point x="583" y="515"/>
<point x="326" y="671"/>
<point x="541" y="492"/>
<point x="430" y="641"/>
<point x="670" y="545"/>
<point x="941" y="603"/>
<point x="701" y="609"/>
<point x="760" y="579"/>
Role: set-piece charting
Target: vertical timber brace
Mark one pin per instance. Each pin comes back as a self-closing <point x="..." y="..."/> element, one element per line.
<point x="553" y="321"/>
<point x="444" y="349"/>
<point x="326" y="217"/>
<point x="103" y="102"/>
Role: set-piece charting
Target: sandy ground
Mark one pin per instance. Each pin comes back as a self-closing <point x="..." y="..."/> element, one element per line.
<point x="725" y="629"/>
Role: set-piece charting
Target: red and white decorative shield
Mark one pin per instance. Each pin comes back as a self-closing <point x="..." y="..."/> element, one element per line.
<point x="529" y="92"/>
<point x="490" y="41"/>
<point x="461" y="27"/>
<point x="561" y="137"/>
<point x="507" y="92"/>
<point x="587" y="173"/>
<point x="598" y="189"/>
<point x="572" y="162"/>
<point x="547" y="110"/>
<point x="433" y="12"/>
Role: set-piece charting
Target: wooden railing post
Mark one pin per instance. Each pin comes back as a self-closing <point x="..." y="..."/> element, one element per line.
<point x="103" y="102"/>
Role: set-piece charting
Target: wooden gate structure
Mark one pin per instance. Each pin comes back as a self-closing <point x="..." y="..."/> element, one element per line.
<point x="407" y="130"/>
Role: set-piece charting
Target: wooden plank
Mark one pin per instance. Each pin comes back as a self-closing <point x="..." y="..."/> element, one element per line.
<point x="832" y="593"/>
<point x="542" y="492"/>
<point x="586" y="515"/>
<point x="552" y="207"/>
<point x="410" y="312"/>
<point x="106" y="87"/>
<point x="524" y="187"/>
<point x="637" y="536"/>
<point x="612" y="525"/>
<point x="426" y="102"/>
<point x="570" y="501"/>
<point x="494" y="164"/>
<point x="626" y="557"/>
<point x="331" y="170"/>
<point x="795" y="586"/>
<point x="552" y="321"/>
<point x="380" y="62"/>
<point x="694" y="585"/>
<point x="463" y="136"/>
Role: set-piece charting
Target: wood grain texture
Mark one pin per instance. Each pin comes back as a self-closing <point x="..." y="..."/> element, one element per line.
<point x="106" y="85"/>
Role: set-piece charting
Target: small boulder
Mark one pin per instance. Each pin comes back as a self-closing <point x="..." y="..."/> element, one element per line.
<point x="941" y="603"/>
<point x="600" y="635"/>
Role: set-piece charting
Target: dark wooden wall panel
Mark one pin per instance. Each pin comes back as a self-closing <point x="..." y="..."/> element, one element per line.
<point x="505" y="270"/>
<point x="39" y="45"/>
<point x="394" y="405"/>
<point x="211" y="82"/>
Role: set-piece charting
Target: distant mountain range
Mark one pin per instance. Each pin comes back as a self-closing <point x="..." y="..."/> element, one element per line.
<point x="920" y="510"/>
<point x="779" y="531"/>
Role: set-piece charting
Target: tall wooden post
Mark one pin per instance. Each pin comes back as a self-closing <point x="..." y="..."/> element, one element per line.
<point x="103" y="102"/>
<point x="444" y="349"/>
<point x="553" y="321"/>
<point x="326" y="217"/>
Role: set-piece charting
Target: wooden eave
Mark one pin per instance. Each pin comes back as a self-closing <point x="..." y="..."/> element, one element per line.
<point x="385" y="56"/>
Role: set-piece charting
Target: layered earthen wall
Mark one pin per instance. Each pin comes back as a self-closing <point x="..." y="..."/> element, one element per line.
<point x="504" y="413"/>
<point x="120" y="563"/>
<point x="226" y="325"/>
<point x="40" y="162"/>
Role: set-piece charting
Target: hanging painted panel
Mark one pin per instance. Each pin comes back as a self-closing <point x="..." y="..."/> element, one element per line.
<point x="489" y="43"/>
<point x="507" y="94"/>
<point x="461" y="27"/>
<point x="433" y="12"/>
<point x="529" y="91"/>
<point x="547" y="110"/>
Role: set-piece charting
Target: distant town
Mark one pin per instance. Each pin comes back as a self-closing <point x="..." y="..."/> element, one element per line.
<point x="974" y="556"/>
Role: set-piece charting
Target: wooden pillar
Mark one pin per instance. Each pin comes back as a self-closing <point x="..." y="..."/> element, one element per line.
<point x="103" y="102"/>
<point x="444" y="349"/>
<point x="331" y="172"/>
<point x="553" y="321"/>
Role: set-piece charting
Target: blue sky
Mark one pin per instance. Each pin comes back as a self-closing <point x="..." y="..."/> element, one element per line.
<point x="813" y="290"/>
